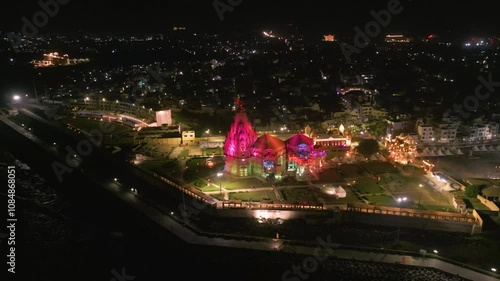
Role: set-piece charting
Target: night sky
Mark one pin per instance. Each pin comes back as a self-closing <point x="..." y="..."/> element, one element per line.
<point x="418" y="17"/>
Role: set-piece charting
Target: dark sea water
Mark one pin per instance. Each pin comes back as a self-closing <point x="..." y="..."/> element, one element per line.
<point x="63" y="237"/>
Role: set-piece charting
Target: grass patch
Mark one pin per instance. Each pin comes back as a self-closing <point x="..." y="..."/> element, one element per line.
<point x="474" y="203"/>
<point x="379" y="167"/>
<point x="368" y="185"/>
<point x="199" y="168"/>
<point x="381" y="200"/>
<point x="218" y="196"/>
<point x="299" y="195"/>
<point x="256" y="196"/>
<point x="330" y="175"/>
<point x="440" y="208"/>
<point x="351" y="171"/>
<point x="230" y="183"/>
<point x="208" y="188"/>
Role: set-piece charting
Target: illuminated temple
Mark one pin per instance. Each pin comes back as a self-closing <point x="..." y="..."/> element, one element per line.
<point x="247" y="154"/>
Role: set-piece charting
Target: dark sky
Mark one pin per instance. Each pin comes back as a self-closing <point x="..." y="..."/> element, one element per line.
<point x="324" y="16"/>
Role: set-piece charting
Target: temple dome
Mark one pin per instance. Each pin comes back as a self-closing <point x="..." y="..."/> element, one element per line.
<point x="298" y="139"/>
<point x="241" y="137"/>
<point x="266" y="142"/>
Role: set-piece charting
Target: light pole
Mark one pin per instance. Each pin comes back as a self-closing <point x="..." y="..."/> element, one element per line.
<point x="219" y="175"/>
<point x="420" y="192"/>
<point x="399" y="200"/>
<point x="17" y="100"/>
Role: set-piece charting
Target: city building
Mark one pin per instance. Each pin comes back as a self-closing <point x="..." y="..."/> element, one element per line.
<point x="396" y="38"/>
<point x="400" y="125"/>
<point x="164" y="117"/>
<point x="445" y="133"/>
<point x="425" y="133"/>
<point x="303" y="158"/>
<point x="269" y="156"/>
<point x="329" y="38"/>
<point x="332" y="143"/>
<point x="167" y="135"/>
<point x="188" y="137"/>
<point x="54" y="59"/>
<point x="479" y="132"/>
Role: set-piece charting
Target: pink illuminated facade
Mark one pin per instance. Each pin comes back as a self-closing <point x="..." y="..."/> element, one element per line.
<point x="249" y="155"/>
<point x="238" y="145"/>
<point x="269" y="156"/>
<point x="302" y="157"/>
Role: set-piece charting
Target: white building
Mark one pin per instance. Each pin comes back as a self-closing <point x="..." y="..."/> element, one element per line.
<point x="188" y="137"/>
<point x="367" y="111"/>
<point x="480" y="132"/>
<point x="446" y="133"/>
<point x="426" y="133"/>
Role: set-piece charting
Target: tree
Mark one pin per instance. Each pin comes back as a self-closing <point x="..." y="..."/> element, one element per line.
<point x="200" y="183"/>
<point x="368" y="147"/>
<point x="472" y="191"/>
<point x="377" y="128"/>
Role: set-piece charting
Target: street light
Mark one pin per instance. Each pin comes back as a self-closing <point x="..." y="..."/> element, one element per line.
<point x="493" y="269"/>
<point x="420" y="192"/>
<point x="435" y="251"/>
<point x="219" y="175"/>
<point x="400" y="200"/>
<point x="16" y="97"/>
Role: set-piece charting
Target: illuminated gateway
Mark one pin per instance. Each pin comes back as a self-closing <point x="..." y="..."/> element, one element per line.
<point x="246" y="154"/>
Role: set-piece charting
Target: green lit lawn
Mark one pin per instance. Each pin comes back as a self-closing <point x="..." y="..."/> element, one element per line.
<point x="199" y="168"/>
<point x="230" y="183"/>
<point x="218" y="196"/>
<point x="329" y="176"/>
<point x="351" y="171"/>
<point x="379" y="167"/>
<point x="441" y="208"/>
<point x="475" y="204"/>
<point x="298" y="195"/>
<point x="381" y="200"/>
<point x="368" y="185"/>
<point x="208" y="188"/>
<point x="256" y="196"/>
